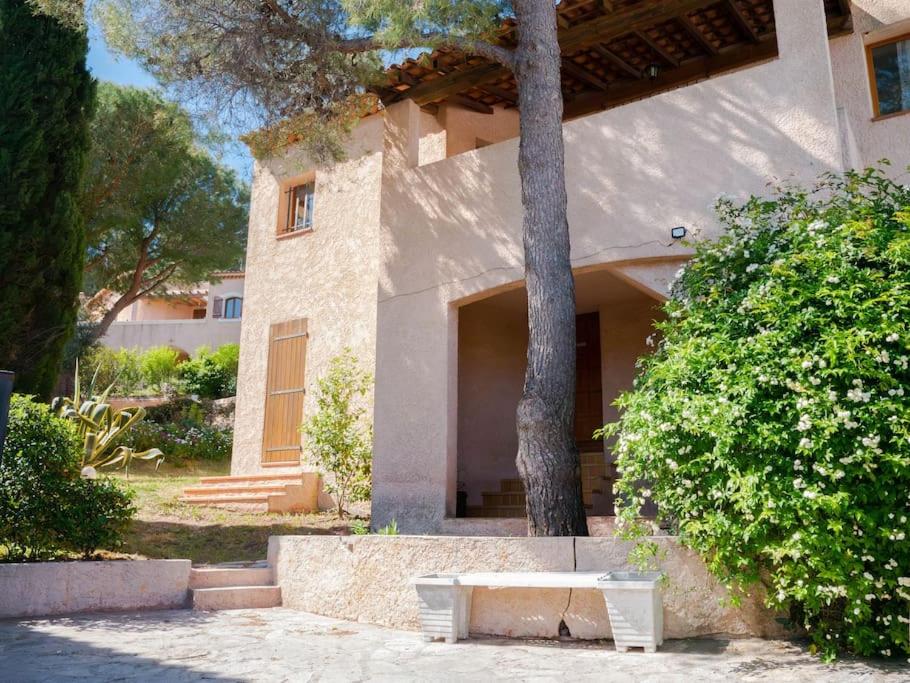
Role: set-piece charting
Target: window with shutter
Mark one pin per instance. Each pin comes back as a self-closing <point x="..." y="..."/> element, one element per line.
<point x="233" y="307"/>
<point x="298" y="197"/>
<point x="284" y="392"/>
<point x="889" y="75"/>
<point x="217" y="307"/>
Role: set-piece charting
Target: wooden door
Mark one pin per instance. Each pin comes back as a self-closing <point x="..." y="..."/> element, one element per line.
<point x="588" y="388"/>
<point x="284" y="392"/>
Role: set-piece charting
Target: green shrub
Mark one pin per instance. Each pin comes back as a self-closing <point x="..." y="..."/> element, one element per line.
<point x="772" y="424"/>
<point x="121" y="368"/>
<point x="227" y="356"/>
<point x="45" y="507"/>
<point x="338" y="436"/>
<point x="158" y="366"/>
<point x="211" y="375"/>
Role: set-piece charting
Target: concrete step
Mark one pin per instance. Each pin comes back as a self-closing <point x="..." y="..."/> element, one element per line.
<point x="229" y="577"/>
<point x="236" y="597"/>
<point x="278" y="493"/>
<point x="293" y="477"/>
<point x="228" y="489"/>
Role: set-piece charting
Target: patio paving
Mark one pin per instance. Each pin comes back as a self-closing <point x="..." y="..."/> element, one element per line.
<point x="286" y="645"/>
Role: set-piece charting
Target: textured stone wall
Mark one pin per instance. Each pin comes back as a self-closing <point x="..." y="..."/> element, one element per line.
<point x="327" y="276"/>
<point x="42" y="588"/>
<point x="366" y="579"/>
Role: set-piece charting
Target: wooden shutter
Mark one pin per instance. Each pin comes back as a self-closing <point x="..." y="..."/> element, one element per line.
<point x="284" y="392"/>
<point x="217" y="307"/>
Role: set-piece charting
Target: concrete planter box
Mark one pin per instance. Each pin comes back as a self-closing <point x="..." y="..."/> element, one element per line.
<point x="635" y="606"/>
<point x="45" y="588"/>
<point x="445" y="607"/>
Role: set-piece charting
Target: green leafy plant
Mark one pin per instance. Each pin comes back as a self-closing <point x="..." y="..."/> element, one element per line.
<point x="772" y="424"/>
<point x="101" y="428"/>
<point x="45" y="507"/>
<point x="390" y="529"/>
<point x="339" y="437"/>
<point x="158" y="366"/>
<point x="360" y="527"/>
<point x="120" y="369"/>
<point x="211" y="375"/>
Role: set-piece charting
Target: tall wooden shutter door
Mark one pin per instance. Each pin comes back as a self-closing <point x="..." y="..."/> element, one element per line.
<point x="284" y="392"/>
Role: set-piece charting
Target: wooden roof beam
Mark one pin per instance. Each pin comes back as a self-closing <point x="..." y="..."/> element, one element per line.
<point x="468" y="103"/>
<point x="580" y="73"/>
<point x="617" y="61"/>
<point x="741" y="22"/>
<point x="657" y="48"/>
<point x="689" y="71"/>
<point x="600" y="30"/>
<point x="699" y="37"/>
<point x="501" y="93"/>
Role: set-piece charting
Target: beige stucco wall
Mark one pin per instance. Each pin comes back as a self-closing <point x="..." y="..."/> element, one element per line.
<point x="155" y="308"/>
<point x="452" y="229"/>
<point x="366" y="579"/>
<point x="873" y="20"/>
<point x="328" y="276"/>
<point x="41" y="588"/>
<point x="185" y="335"/>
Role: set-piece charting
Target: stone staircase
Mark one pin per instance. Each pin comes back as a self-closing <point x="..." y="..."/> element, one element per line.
<point x="234" y="586"/>
<point x="509" y="501"/>
<point x="295" y="492"/>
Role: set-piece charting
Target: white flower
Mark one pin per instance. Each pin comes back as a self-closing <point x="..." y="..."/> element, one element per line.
<point x="833" y="279"/>
<point x="805" y="443"/>
<point x="868" y="576"/>
<point x="805" y="423"/>
<point x="893" y="337"/>
<point x="752" y="267"/>
<point x="810" y="494"/>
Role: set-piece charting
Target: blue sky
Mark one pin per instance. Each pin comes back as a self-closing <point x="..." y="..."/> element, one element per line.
<point x="106" y="66"/>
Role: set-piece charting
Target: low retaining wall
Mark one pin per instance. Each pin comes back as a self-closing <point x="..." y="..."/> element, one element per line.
<point x="44" y="588"/>
<point x="365" y="579"/>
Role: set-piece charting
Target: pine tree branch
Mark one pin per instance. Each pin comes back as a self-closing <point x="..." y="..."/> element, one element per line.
<point x="481" y="48"/>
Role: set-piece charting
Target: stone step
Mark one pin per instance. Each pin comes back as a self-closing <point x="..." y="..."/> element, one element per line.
<point x="229" y="577"/>
<point x="511" y="486"/>
<point x="293" y="477"/>
<point x="237" y="597"/>
<point x="260" y="493"/>
<point x="228" y="489"/>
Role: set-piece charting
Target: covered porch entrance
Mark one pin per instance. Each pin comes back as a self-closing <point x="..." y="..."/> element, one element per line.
<point x="614" y="320"/>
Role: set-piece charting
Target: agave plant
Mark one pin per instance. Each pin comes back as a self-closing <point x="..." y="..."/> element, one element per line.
<point x="101" y="426"/>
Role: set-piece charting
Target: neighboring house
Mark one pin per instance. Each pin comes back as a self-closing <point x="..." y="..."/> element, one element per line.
<point x="409" y="251"/>
<point x="185" y="319"/>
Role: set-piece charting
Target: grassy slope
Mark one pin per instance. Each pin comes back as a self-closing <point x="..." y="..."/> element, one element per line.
<point x="166" y="528"/>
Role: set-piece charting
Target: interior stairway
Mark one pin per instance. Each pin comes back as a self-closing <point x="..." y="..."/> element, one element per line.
<point x="234" y="586"/>
<point x="257" y="493"/>
<point x="509" y="501"/>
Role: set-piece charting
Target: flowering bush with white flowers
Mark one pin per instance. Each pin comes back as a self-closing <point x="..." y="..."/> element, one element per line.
<point x="771" y="426"/>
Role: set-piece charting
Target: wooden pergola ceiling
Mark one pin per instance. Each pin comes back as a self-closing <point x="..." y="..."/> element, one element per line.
<point x="608" y="49"/>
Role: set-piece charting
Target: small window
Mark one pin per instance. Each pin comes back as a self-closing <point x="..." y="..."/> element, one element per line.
<point x="300" y="200"/>
<point x="889" y="67"/>
<point x="198" y="314"/>
<point x="233" y="307"/>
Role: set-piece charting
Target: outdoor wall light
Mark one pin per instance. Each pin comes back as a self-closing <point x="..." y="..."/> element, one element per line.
<point x="678" y="233"/>
<point x="653" y="71"/>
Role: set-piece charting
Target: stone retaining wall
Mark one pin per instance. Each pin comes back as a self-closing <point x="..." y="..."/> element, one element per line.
<point x="365" y="579"/>
<point x="44" y="588"/>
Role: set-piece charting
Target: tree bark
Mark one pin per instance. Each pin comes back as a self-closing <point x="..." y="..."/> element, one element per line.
<point x="547" y="459"/>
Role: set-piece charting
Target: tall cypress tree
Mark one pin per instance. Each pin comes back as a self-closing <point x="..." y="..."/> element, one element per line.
<point x="46" y="96"/>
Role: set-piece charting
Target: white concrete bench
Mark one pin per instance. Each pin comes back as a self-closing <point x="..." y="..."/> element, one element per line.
<point x="634" y="602"/>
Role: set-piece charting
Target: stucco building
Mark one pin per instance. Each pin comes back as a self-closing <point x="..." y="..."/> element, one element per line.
<point x="208" y="314"/>
<point x="410" y="253"/>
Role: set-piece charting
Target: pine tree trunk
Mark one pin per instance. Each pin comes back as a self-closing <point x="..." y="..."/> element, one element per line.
<point x="548" y="459"/>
